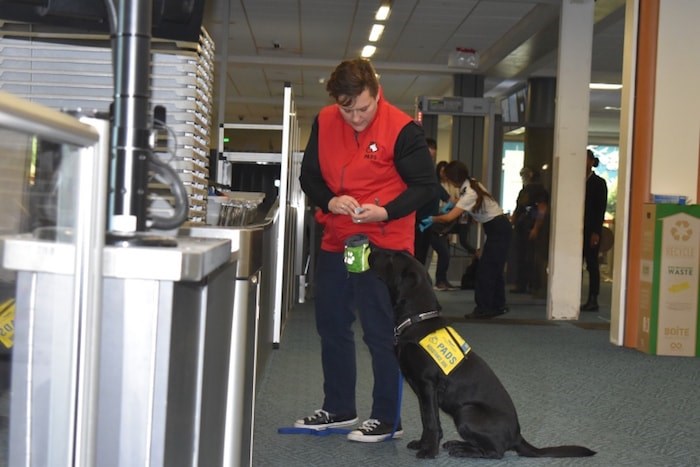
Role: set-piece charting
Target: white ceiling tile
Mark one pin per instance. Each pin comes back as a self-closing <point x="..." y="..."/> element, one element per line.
<point x="315" y="35"/>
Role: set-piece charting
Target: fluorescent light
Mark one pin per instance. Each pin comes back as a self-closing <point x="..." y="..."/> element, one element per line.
<point x="368" y="51"/>
<point x="383" y="11"/>
<point x="516" y="131"/>
<point x="605" y="86"/>
<point x="376" y="32"/>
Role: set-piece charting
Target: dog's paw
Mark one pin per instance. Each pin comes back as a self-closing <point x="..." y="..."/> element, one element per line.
<point x="427" y="453"/>
<point x="415" y="444"/>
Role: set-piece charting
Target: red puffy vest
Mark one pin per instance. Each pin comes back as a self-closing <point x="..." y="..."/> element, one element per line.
<point x="362" y="165"/>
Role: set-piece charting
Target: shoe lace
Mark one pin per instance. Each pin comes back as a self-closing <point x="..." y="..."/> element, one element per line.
<point x="369" y="425"/>
<point x="319" y="414"/>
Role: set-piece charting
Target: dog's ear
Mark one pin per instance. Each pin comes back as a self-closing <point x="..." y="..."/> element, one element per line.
<point x="407" y="274"/>
<point x="413" y="285"/>
<point x="380" y="261"/>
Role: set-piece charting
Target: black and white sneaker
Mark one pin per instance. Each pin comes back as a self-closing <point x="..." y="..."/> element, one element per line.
<point x="373" y="431"/>
<point x="321" y="420"/>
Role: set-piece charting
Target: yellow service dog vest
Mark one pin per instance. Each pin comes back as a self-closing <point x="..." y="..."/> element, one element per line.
<point x="446" y="347"/>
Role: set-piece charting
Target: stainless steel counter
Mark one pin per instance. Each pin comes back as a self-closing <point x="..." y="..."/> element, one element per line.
<point x="250" y="342"/>
<point x="191" y="260"/>
<point x="165" y="321"/>
<point x="246" y="240"/>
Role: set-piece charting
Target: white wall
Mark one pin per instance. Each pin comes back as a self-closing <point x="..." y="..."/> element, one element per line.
<point x="677" y="104"/>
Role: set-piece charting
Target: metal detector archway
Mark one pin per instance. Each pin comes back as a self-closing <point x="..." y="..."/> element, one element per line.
<point x="483" y="107"/>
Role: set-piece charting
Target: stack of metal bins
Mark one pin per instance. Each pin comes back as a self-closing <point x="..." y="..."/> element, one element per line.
<point x="182" y="82"/>
<point x="58" y="75"/>
<point x="76" y="73"/>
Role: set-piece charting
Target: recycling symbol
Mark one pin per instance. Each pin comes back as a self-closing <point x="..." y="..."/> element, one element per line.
<point x="681" y="230"/>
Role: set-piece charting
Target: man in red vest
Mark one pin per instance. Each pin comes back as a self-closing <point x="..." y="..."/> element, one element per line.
<point x="367" y="169"/>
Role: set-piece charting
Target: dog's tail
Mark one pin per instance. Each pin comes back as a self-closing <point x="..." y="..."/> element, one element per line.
<point x="525" y="449"/>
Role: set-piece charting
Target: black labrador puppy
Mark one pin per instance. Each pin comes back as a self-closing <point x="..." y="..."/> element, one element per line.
<point x="457" y="380"/>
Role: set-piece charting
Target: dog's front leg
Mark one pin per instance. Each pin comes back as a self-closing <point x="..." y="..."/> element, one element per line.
<point x="429" y="444"/>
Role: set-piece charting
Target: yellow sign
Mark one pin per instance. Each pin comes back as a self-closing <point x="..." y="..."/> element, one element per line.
<point x="446" y="347"/>
<point x="7" y="322"/>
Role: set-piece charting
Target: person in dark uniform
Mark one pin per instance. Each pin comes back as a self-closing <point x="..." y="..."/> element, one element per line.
<point x="530" y="222"/>
<point x="430" y="237"/>
<point x="474" y="199"/>
<point x="593" y="215"/>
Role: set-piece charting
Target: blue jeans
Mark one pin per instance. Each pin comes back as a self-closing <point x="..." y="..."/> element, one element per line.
<point x="338" y="295"/>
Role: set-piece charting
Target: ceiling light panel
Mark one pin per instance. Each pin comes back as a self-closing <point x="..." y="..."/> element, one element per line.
<point x="605" y="86"/>
<point x="368" y="51"/>
<point x="383" y="11"/>
<point x="376" y="32"/>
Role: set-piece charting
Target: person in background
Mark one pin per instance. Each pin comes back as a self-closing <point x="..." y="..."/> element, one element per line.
<point x="539" y="236"/>
<point x="489" y="290"/>
<point x="422" y="237"/>
<point x="431" y="237"/>
<point x="452" y="192"/>
<point x="596" y="200"/>
<point x="461" y="227"/>
<point x="367" y="168"/>
<point x="531" y="234"/>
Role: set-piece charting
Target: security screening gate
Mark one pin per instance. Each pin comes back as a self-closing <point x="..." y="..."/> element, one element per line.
<point x="480" y="107"/>
<point x="467" y="107"/>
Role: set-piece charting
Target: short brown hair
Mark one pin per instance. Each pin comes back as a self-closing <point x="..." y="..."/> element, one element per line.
<point x="350" y="79"/>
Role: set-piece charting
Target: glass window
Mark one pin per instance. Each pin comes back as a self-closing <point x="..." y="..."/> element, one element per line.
<point x="609" y="157"/>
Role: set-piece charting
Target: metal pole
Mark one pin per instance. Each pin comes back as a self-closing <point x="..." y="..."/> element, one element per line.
<point x="132" y="127"/>
<point x="89" y="244"/>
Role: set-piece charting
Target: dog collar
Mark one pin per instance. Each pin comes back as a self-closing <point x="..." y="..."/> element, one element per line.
<point x="415" y="319"/>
